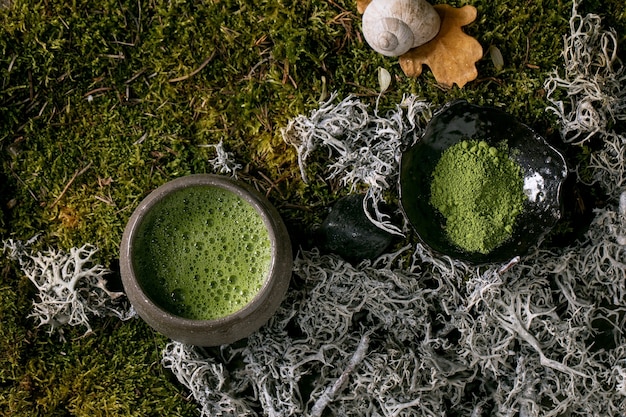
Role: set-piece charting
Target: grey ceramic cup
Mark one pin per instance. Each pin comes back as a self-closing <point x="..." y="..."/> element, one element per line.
<point x="222" y="330"/>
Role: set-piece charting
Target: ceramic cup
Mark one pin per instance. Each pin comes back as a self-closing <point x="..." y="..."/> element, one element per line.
<point x="150" y="270"/>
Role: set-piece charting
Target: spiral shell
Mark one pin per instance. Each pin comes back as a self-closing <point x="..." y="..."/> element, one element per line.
<point x="392" y="27"/>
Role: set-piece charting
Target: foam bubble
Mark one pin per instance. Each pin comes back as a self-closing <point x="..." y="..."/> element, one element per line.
<point x="194" y="252"/>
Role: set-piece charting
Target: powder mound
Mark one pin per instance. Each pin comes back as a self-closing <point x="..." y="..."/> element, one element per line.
<point x="479" y="191"/>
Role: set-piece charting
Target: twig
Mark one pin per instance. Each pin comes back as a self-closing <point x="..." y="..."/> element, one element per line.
<point x="135" y="76"/>
<point x="330" y="392"/>
<point x="194" y="72"/>
<point x="23" y="183"/>
<point x="97" y="90"/>
<point x="69" y="183"/>
<point x="273" y="185"/>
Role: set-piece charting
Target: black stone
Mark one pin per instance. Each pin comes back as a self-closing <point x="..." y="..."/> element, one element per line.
<point x="348" y="232"/>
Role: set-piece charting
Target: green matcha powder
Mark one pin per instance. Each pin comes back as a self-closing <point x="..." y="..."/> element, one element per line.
<point x="480" y="191"/>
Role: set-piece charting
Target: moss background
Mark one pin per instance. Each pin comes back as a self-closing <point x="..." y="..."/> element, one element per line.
<point x="100" y="104"/>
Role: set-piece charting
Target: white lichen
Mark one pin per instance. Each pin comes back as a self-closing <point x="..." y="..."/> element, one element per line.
<point x="71" y="288"/>
<point x="224" y="162"/>
<point x="433" y="337"/>
<point x="592" y="80"/>
<point x="589" y="97"/>
<point x="205" y="378"/>
<point x="364" y="148"/>
<point x="541" y="335"/>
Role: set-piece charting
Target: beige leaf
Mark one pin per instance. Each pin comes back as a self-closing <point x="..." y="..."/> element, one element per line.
<point x="361" y="5"/>
<point x="496" y="57"/>
<point x="384" y="79"/>
<point x="452" y="54"/>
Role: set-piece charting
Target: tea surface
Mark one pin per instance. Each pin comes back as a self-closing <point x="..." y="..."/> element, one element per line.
<point x="202" y="253"/>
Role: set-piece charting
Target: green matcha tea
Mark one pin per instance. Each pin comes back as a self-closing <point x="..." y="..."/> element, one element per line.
<point x="202" y="253"/>
<point x="479" y="190"/>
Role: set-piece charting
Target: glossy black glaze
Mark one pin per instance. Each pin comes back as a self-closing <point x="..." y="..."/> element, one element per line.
<point x="542" y="165"/>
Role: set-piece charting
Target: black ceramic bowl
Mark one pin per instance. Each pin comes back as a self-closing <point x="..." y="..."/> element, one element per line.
<point x="543" y="167"/>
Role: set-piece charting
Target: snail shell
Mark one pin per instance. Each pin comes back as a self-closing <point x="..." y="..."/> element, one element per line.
<point x="392" y="27"/>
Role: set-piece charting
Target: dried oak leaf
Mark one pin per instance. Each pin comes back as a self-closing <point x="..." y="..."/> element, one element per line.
<point x="361" y="5"/>
<point x="452" y="54"/>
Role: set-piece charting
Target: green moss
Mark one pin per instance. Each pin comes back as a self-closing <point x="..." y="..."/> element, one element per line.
<point x="91" y="123"/>
<point x="12" y="332"/>
<point x="97" y="375"/>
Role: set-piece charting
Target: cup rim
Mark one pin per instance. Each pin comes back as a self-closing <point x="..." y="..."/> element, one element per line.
<point x="280" y="246"/>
